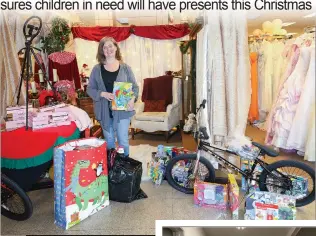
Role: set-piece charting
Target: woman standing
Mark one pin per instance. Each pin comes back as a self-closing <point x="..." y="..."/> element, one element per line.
<point x="100" y="89"/>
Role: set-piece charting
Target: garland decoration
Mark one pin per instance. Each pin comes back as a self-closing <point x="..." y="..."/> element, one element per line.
<point x="57" y="38"/>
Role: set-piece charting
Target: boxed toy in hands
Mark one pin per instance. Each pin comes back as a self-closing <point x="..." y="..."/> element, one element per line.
<point x="210" y="195"/>
<point x="233" y="196"/>
<point x="270" y="206"/>
<point x="123" y="93"/>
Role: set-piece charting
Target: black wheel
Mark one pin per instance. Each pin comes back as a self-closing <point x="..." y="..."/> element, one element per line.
<point x="15" y="203"/>
<point x="295" y="179"/>
<point x="181" y="167"/>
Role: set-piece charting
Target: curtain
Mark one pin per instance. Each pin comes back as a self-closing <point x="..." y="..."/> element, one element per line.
<point x="9" y="67"/>
<point x="223" y="74"/>
<point x="162" y="32"/>
<point x="147" y="57"/>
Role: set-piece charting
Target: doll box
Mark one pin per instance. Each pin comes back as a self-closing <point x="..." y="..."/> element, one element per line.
<point x="211" y="195"/>
<point x="233" y="196"/>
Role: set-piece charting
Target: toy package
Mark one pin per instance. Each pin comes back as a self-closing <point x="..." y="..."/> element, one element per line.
<point x="247" y="165"/>
<point x="241" y="145"/>
<point x="210" y="195"/>
<point x="233" y="196"/>
<point x="270" y="206"/>
<point x="122" y="95"/>
<point x="300" y="187"/>
<point x="157" y="165"/>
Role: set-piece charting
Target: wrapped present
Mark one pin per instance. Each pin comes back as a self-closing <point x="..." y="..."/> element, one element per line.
<point x="123" y="93"/>
<point x="210" y="195"/>
<point x="233" y="196"/>
<point x="80" y="180"/>
<point x="11" y="125"/>
<point x="270" y="206"/>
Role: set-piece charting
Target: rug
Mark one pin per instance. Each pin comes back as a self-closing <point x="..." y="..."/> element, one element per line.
<point x="143" y="154"/>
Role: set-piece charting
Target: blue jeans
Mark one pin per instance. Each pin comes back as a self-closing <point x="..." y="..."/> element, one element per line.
<point x="121" y="134"/>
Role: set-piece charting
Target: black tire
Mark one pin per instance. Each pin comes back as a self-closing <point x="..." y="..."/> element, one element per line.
<point x="173" y="161"/>
<point x="279" y="164"/>
<point x="16" y="189"/>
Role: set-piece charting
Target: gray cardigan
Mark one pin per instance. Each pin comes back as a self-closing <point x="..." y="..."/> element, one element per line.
<point x="101" y="104"/>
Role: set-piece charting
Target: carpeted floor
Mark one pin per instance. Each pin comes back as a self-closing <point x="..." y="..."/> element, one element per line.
<point x="163" y="202"/>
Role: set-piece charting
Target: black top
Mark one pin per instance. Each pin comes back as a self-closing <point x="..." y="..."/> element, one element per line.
<point x="109" y="78"/>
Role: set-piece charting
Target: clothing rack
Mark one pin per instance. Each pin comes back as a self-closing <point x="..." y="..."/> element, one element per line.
<point x="252" y="38"/>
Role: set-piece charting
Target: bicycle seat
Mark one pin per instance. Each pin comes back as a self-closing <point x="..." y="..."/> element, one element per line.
<point x="267" y="150"/>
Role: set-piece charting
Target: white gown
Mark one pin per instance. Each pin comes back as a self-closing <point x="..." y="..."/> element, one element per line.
<point x="299" y="130"/>
<point x="289" y="96"/>
<point x="268" y="77"/>
<point x="278" y="61"/>
<point x="310" y="150"/>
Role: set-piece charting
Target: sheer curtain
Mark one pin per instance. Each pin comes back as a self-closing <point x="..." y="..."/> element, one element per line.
<point x="223" y="74"/>
<point x="147" y="57"/>
<point x="9" y="67"/>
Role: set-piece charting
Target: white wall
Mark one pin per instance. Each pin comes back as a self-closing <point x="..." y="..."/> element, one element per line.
<point x="193" y="231"/>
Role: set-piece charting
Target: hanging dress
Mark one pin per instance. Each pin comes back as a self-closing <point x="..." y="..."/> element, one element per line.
<point x="254" y="110"/>
<point x="291" y="55"/>
<point x="310" y="150"/>
<point x="286" y="106"/>
<point x="299" y="130"/>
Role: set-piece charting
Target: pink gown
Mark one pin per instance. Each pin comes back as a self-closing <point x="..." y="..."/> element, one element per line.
<point x="286" y="105"/>
<point x="291" y="54"/>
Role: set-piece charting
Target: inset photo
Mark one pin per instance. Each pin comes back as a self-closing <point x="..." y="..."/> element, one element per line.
<point x="237" y="231"/>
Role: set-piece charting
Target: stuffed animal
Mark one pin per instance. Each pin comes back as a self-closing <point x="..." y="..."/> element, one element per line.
<point x="190" y="123"/>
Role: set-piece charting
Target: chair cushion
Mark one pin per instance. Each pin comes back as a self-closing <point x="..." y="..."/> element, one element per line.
<point x="155" y="106"/>
<point x="151" y="116"/>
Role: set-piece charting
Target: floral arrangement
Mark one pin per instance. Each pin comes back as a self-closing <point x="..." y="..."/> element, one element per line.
<point x="58" y="37"/>
<point x="66" y="89"/>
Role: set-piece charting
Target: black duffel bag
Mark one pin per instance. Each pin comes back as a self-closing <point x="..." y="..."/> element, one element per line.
<point x="124" y="180"/>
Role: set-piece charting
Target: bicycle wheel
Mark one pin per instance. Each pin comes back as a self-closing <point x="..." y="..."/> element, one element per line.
<point x="180" y="168"/>
<point x="299" y="176"/>
<point x="15" y="203"/>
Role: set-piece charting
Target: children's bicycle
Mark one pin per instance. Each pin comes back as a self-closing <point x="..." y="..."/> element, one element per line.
<point x="288" y="177"/>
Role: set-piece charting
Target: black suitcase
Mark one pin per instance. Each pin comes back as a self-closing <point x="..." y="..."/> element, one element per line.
<point x="124" y="180"/>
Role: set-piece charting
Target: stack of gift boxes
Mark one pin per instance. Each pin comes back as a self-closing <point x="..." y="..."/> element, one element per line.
<point x="45" y="117"/>
<point x="16" y="117"/>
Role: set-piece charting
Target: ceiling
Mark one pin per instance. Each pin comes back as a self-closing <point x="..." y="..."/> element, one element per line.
<point x="256" y="18"/>
<point x="248" y="231"/>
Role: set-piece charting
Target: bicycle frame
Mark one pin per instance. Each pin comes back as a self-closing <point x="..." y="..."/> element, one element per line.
<point x="205" y="146"/>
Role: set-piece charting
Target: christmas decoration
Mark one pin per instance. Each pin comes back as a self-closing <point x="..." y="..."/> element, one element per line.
<point x="66" y="89"/>
<point x="57" y="38"/>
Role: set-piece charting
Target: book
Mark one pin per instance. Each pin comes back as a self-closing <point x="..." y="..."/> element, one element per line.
<point x="123" y="93"/>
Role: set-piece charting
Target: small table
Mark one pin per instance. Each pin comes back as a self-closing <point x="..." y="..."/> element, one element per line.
<point x="24" y="153"/>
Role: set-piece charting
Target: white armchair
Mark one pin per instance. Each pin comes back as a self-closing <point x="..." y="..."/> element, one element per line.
<point x="159" y="121"/>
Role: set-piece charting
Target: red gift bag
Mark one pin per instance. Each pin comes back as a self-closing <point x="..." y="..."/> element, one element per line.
<point x="80" y="180"/>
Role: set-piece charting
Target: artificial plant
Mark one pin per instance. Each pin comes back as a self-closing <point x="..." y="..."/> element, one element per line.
<point x="58" y="36"/>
